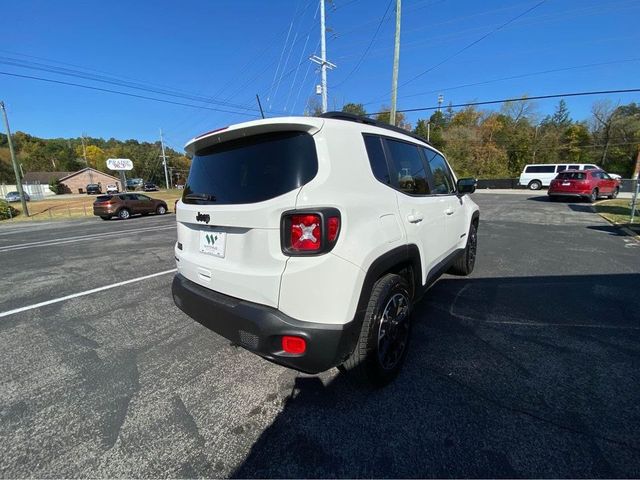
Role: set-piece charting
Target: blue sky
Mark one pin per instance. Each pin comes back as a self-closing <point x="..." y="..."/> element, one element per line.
<point x="227" y="51"/>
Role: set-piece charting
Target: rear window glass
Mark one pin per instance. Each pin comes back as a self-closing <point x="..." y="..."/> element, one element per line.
<point x="103" y="198"/>
<point x="541" y="169"/>
<point x="252" y="169"/>
<point x="571" y="176"/>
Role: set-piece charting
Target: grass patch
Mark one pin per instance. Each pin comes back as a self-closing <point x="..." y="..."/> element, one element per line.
<point x="65" y="207"/>
<point x="618" y="211"/>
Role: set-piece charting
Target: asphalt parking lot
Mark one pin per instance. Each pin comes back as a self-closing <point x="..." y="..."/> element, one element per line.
<point x="528" y="368"/>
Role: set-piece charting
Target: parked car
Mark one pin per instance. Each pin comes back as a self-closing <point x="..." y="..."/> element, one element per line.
<point x="112" y="188"/>
<point x="536" y="176"/>
<point x="15" y="197"/>
<point x="94" y="189"/>
<point x="123" y="205"/>
<point x="315" y="237"/>
<point x="135" y="184"/>
<point x="587" y="184"/>
<point x="150" y="187"/>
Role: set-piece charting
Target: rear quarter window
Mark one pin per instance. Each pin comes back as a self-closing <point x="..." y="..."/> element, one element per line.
<point x="252" y="169"/>
<point x="541" y="169"/>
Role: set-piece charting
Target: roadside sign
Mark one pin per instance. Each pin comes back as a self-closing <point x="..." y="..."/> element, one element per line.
<point x="119" y="164"/>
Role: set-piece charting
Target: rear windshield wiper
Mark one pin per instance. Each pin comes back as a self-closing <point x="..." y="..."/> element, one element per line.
<point x="200" y="196"/>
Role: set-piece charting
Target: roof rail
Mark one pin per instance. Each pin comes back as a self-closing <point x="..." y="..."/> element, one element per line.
<point x="350" y="117"/>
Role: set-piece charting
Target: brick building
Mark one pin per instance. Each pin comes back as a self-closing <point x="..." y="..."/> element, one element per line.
<point x="77" y="182"/>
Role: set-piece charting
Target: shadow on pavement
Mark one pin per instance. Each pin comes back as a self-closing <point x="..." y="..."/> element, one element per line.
<point x="610" y="229"/>
<point x="585" y="208"/>
<point x="506" y="377"/>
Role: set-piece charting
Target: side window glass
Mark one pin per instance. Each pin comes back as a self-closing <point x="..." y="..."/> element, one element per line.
<point x="409" y="167"/>
<point x="561" y="168"/>
<point x="443" y="183"/>
<point x="144" y="198"/>
<point x="377" y="159"/>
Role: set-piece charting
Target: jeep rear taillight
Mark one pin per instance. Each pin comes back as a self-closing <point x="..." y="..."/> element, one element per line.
<point x="306" y="233"/>
<point x="309" y="232"/>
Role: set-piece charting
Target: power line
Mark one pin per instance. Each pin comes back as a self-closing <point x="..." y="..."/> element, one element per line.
<point x="366" y="51"/>
<point x="523" y="75"/>
<point x="468" y="46"/>
<point x="475" y="42"/>
<point x="519" y="99"/>
<point x="117" y="92"/>
<point x="112" y="81"/>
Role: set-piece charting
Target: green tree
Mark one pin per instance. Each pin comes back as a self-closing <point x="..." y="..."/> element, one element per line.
<point x="355" y="108"/>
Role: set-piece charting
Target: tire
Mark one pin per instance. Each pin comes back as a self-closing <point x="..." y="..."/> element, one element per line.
<point x="534" y="185"/>
<point x="105" y="217"/>
<point x="594" y="196"/>
<point x="615" y="193"/>
<point x="124" y="214"/>
<point x="384" y="338"/>
<point x="161" y="210"/>
<point x="466" y="262"/>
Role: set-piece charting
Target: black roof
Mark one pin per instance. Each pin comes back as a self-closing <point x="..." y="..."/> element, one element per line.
<point x="350" y="117"/>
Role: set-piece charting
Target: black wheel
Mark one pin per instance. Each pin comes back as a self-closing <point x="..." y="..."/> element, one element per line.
<point x="124" y="214"/>
<point x="161" y="210"/>
<point x="615" y="193"/>
<point x="105" y="217"/>
<point x="594" y="196"/>
<point x="465" y="262"/>
<point x="535" y="185"/>
<point x="384" y="338"/>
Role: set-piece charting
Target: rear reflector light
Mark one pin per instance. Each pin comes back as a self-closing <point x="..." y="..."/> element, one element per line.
<point x="333" y="228"/>
<point x="294" y="345"/>
<point x="306" y="233"/>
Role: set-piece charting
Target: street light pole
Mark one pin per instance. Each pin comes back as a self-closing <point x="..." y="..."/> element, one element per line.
<point x="16" y="171"/>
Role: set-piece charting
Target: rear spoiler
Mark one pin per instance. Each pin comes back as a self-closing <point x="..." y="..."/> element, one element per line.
<point x="311" y="125"/>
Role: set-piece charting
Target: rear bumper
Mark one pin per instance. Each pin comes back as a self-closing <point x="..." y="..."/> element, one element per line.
<point x="259" y="328"/>
<point x="556" y="193"/>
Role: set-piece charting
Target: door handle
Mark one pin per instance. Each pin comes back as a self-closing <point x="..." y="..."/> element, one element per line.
<point x="449" y="211"/>
<point x="414" y="217"/>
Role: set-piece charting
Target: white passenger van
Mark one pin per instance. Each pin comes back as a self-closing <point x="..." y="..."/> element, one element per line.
<point x="536" y="176"/>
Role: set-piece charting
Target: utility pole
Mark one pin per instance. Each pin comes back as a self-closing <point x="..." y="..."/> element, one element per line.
<point x="323" y="54"/>
<point x="396" y="61"/>
<point x="25" y="210"/>
<point x="164" y="161"/>
<point x="84" y="155"/>
<point x="322" y="60"/>
<point x="636" y="186"/>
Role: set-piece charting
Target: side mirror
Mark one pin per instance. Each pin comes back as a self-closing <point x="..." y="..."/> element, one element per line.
<point x="467" y="185"/>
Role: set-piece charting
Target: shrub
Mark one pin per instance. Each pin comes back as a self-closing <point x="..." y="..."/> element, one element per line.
<point x="7" y="211"/>
<point x="56" y="187"/>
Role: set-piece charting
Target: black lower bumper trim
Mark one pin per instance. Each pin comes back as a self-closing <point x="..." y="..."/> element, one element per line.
<point x="259" y="328"/>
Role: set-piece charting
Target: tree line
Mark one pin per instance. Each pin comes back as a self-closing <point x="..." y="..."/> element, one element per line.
<point x="497" y="144"/>
<point x="72" y="154"/>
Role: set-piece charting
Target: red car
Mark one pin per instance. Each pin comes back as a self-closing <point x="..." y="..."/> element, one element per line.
<point x="588" y="184"/>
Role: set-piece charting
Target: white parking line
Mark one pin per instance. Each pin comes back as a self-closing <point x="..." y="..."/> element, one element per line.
<point x="80" y="238"/>
<point x="86" y="292"/>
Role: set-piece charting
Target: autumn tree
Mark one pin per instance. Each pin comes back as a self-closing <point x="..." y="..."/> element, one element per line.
<point x="355" y="108"/>
<point x="385" y="115"/>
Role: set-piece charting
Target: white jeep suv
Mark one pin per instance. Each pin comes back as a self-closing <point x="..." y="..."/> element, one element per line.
<point x="307" y="240"/>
